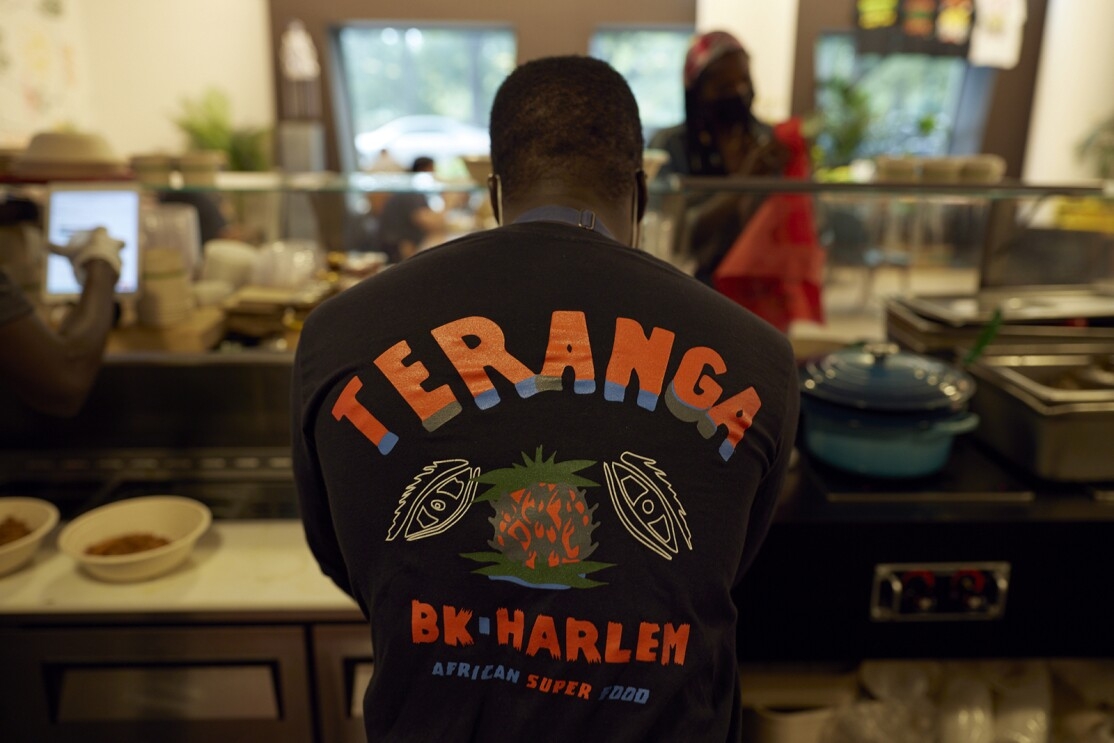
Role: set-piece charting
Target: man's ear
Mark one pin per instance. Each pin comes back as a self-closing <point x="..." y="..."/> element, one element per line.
<point x="493" y="192"/>
<point x="643" y="192"/>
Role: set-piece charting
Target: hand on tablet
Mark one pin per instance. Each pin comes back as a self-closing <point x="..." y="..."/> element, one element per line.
<point x="90" y="245"/>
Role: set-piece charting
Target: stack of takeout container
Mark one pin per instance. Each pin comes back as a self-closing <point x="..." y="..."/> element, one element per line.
<point x="167" y="297"/>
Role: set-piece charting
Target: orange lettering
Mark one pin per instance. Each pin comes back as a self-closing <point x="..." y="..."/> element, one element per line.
<point x="613" y="651"/>
<point x="691" y="387"/>
<point x="736" y="413"/>
<point x="543" y="636"/>
<point x="581" y="637"/>
<point x="486" y="351"/>
<point x="674" y="642"/>
<point x="423" y="622"/>
<point x="510" y="630"/>
<point x="434" y="407"/>
<point x="634" y="352"/>
<point x="568" y="347"/>
<point x="647" y="645"/>
<point x="456" y="626"/>
<point x="347" y="406"/>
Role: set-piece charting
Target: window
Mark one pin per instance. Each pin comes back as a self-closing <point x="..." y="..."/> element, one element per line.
<point x="651" y="60"/>
<point x="894" y="104"/>
<point x="411" y="90"/>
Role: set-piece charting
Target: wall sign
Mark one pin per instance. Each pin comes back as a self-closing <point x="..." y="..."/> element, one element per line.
<point x="42" y="73"/>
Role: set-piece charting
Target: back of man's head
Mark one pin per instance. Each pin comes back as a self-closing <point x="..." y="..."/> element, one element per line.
<point x="570" y="120"/>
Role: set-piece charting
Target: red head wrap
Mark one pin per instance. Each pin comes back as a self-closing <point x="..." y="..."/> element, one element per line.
<point x="706" y="49"/>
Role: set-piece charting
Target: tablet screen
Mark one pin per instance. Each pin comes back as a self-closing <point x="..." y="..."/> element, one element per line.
<point x="72" y="210"/>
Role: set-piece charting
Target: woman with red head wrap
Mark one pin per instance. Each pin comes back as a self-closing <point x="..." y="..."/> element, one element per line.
<point x="721" y="136"/>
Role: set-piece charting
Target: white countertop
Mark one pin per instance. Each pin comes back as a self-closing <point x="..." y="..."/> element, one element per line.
<point x="237" y="566"/>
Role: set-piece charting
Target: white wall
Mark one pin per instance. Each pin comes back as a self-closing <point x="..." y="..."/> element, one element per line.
<point x="1074" y="88"/>
<point x="145" y="56"/>
<point x="768" y="29"/>
<point x="43" y="81"/>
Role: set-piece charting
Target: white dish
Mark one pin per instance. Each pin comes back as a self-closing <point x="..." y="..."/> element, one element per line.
<point x="39" y="516"/>
<point x="180" y="520"/>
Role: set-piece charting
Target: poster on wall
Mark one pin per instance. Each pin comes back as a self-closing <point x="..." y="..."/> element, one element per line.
<point x="934" y="27"/>
<point x="997" y="35"/>
<point x="42" y="74"/>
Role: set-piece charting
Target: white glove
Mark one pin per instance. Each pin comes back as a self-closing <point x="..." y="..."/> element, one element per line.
<point x="90" y="245"/>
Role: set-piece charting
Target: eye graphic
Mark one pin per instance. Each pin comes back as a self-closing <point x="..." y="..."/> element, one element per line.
<point x="435" y="500"/>
<point x="647" y="504"/>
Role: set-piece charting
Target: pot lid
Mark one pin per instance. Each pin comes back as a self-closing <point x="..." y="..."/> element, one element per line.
<point x="880" y="376"/>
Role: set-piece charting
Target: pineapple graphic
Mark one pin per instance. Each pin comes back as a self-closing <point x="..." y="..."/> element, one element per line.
<point x="542" y="524"/>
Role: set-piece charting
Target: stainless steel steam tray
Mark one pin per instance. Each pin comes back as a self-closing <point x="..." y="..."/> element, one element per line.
<point x="1031" y="418"/>
<point x="923" y="335"/>
<point x="1033" y="304"/>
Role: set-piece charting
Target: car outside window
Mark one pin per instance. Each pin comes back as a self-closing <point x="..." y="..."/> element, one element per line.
<point x="419" y="90"/>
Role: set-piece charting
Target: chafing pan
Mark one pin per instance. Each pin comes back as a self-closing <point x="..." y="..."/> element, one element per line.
<point x="1031" y="415"/>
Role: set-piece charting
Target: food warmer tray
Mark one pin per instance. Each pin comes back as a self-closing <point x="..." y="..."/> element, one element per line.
<point x="920" y="334"/>
<point x="1031" y="416"/>
<point x="1030" y="304"/>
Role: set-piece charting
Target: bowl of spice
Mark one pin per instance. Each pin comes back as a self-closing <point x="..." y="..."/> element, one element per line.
<point x="24" y="522"/>
<point x="137" y="538"/>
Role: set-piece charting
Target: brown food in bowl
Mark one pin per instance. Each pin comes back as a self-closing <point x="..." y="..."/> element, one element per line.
<point x="127" y="544"/>
<point x="12" y="529"/>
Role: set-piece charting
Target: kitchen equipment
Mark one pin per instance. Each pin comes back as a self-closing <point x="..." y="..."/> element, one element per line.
<point x="37" y="515"/>
<point x="180" y="520"/>
<point x="920" y="334"/>
<point x="1039" y="304"/>
<point x="1042" y="409"/>
<point x="877" y="410"/>
<point x="138" y="682"/>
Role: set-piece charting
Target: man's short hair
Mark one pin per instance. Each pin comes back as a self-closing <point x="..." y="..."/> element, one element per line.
<point x="566" y="118"/>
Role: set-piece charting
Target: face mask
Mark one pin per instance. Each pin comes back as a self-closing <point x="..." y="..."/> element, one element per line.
<point x="730" y="109"/>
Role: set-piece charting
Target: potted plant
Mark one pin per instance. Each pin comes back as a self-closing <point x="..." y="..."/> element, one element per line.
<point x="206" y="122"/>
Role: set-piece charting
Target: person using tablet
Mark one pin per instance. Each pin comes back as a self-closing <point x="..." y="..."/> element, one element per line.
<point x="52" y="370"/>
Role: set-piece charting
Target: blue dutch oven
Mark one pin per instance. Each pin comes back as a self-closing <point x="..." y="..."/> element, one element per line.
<point x="879" y="411"/>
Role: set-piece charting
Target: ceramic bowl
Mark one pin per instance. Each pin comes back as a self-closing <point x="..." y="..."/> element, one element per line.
<point x="39" y="516"/>
<point x="180" y="520"/>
